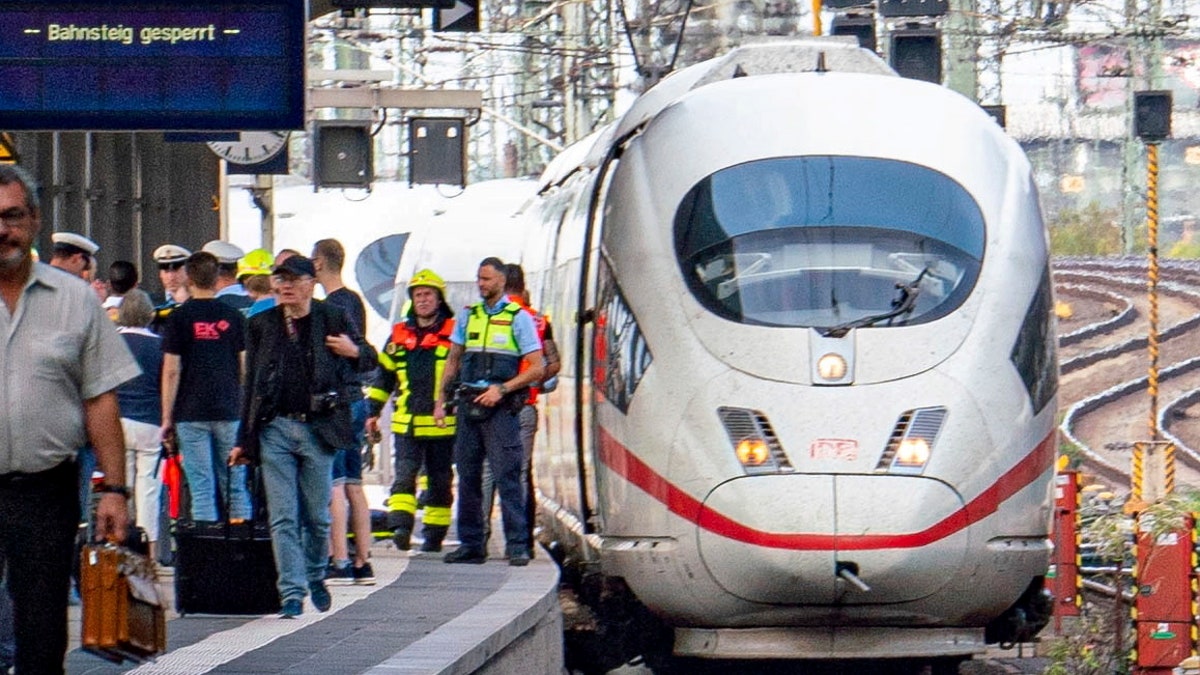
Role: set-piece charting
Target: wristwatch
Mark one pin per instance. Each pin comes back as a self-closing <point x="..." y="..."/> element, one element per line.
<point x="114" y="489"/>
<point x="503" y="389"/>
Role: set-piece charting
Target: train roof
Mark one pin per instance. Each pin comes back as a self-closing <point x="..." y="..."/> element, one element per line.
<point x="812" y="54"/>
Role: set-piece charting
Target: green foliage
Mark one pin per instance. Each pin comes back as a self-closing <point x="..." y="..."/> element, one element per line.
<point x="1170" y="513"/>
<point x="1088" y="651"/>
<point x="1090" y="231"/>
<point x="1075" y="456"/>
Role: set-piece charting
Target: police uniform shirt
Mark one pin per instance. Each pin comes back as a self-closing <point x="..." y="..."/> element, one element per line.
<point x="524" y="329"/>
<point x="59" y="350"/>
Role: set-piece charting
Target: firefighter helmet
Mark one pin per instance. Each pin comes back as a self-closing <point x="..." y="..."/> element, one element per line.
<point x="429" y="279"/>
<point x="256" y="262"/>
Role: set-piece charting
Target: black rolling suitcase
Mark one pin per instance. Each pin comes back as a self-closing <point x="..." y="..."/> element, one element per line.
<point x="226" y="568"/>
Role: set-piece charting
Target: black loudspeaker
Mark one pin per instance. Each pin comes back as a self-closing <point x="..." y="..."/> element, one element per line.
<point x="437" y="151"/>
<point x="343" y="154"/>
<point x="861" y="26"/>
<point x="1152" y="115"/>
<point x="916" y="53"/>
<point x="998" y="113"/>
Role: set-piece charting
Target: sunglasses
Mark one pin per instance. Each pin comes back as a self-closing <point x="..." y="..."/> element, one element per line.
<point x="171" y="266"/>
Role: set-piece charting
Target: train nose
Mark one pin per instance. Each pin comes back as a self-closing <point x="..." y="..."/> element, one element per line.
<point x="833" y="539"/>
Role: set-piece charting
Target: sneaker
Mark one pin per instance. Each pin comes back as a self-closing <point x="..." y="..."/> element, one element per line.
<point x="320" y="596"/>
<point x="519" y="559"/>
<point x="465" y="555"/>
<point x="291" y="609"/>
<point x="363" y="576"/>
<point x="339" y="576"/>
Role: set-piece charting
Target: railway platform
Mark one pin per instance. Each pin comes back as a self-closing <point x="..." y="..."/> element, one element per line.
<point x="421" y="616"/>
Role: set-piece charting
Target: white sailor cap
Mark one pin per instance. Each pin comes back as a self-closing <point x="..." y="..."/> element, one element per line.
<point x="77" y="240"/>
<point x="170" y="253"/>
<point x="226" y="253"/>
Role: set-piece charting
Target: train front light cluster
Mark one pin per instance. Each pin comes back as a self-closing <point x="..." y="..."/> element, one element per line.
<point x="755" y="444"/>
<point x="912" y="441"/>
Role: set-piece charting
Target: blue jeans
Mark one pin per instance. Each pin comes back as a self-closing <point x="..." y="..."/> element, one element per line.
<point x="204" y="447"/>
<point x="498" y="440"/>
<point x="86" y="457"/>
<point x="297" y="473"/>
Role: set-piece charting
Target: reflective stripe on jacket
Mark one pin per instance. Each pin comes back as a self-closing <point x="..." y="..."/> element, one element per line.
<point x="412" y="364"/>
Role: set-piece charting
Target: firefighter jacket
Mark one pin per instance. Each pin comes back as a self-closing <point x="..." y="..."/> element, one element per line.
<point x="412" y="363"/>
<point x="491" y="353"/>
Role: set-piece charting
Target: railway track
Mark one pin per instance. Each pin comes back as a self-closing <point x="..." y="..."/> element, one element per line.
<point x="1104" y="361"/>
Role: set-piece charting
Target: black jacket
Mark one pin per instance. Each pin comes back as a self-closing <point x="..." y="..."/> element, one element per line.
<point x="264" y="333"/>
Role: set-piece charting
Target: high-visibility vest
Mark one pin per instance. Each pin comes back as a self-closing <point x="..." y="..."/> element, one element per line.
<point x="539" y="321"/>
<point x="416" y="382"/>
<point x="491" y="353"/>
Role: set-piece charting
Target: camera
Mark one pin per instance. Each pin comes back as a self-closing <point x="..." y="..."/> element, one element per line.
<point x="322" y="402"/>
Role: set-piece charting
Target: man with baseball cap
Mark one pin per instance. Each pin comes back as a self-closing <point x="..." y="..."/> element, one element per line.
<point x="73" y="253"/>
<point x="303" y="366"/>
<point x="170" y="259"/>
<point x="229" y="291"/>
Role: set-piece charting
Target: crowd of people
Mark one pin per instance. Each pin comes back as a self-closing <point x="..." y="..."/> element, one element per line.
<point x="239" y="364"/>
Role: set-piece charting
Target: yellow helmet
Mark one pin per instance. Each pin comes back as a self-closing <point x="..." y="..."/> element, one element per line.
<point x="256" y="262"/>
<point x="427" y="278"/>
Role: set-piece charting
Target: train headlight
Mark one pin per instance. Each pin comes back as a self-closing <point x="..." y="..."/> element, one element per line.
<point x="754" y="442"/>
<point x="832" y="367"/>
<point x="752" y="452"/>
<point x="912" y="453"/>
<point x="912" y="441"/>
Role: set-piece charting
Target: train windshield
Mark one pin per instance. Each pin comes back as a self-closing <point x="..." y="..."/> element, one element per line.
<point x="829" y="242"/>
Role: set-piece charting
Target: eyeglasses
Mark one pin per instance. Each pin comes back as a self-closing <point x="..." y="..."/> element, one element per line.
<point x="282" y="279"/>
<point x="170" y="266"/>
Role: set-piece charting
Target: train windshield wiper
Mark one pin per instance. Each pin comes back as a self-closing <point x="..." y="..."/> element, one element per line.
<point x="903" y="304"/>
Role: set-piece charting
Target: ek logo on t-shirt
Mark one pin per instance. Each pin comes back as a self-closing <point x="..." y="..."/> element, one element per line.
<point x="203" y="330"/>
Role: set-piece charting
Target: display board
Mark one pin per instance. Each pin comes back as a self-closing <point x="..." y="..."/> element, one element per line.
<point x="146" y="65"/>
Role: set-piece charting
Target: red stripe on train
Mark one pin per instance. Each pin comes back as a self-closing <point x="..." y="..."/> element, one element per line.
<point x="621" y="460"/>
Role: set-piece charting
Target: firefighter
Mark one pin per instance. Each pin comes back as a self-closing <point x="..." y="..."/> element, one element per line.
<point x="412" y="364"/>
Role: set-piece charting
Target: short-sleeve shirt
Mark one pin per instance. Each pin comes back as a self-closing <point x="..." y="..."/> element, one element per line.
<point x="352" y="305"/>
<point x="59" y="349"/>
<point x="524" y="329"/>
<point x="207" y="335"/>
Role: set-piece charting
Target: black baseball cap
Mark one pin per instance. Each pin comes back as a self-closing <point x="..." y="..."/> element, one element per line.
<point x="296" y="265"/>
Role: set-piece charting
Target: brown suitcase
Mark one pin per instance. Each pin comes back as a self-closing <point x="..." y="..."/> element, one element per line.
<point x="123" y="615"/>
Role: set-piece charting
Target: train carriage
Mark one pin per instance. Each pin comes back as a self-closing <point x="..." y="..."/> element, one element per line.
<point x="808" y="397"/>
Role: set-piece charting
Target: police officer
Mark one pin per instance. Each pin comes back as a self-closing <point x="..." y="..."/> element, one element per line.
<point x="413" y="362"/>
<point x="229" y="290"/>
<point x="170" y="259"/>
<point x="492" y="340"/>
<point x="73" y="253"/>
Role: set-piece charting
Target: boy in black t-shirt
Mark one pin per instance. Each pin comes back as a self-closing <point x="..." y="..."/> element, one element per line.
<point x="203" y="356"/>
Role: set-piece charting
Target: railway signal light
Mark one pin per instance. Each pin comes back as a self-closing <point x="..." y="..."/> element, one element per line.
<point x="1152" y="115"/>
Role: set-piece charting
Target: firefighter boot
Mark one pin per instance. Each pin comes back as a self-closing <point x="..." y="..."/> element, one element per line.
<point x="401" y="524"/>
<point x="434" y="534"/>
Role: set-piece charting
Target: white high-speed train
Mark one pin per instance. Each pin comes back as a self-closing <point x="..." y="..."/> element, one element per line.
<point x="808" y="393"/>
